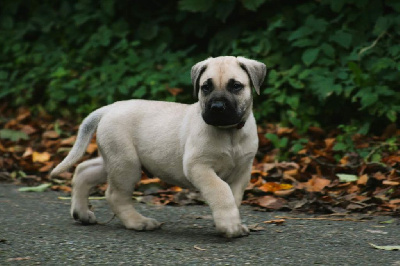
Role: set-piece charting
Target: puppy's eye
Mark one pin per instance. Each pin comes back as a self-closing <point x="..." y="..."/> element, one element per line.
<point x="206" y="88"/>
<point x="237" y="86"/>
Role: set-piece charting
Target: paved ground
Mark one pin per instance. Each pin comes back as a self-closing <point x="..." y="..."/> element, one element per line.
<point x="35" y="228"/>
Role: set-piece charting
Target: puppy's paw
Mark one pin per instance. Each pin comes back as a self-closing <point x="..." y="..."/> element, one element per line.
<point x="234" y="230"/>
<point x="143" y="224"/>
<point x="86" y="217"/>
<point x="228" y="223"/>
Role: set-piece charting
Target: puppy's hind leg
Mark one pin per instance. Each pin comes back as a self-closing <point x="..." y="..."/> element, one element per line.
<point x="87" y="175"/>
<point x="124" y="170"/>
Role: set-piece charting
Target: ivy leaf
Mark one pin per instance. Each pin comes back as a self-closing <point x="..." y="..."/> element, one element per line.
<point x="382" y="24"/>
<point x="60" y="72"/>
<point x="368" y="99"/>
<point x="108" y="7"/>
<point x="395" y="5"/>
<point x="339" y="147"/>
<point x="147" y="30"/>
<point x="3" y="75"/>
<point x="7" y="22"/>
<point x="295" y="83"/>
<point x="252" y="4"/>
<point x="337" y="5"/>
<point x="299" y="33"/>
<point x="342" y="38"/>
<point x="224" y="9"/>
<point x="13" y="135"/>
<point x="376" y="157"/>
<point x="140" y="92"/>
<point x="310" y="55"/>
<point x="123" y="90"/>
<point x="317" y="24"/>
<point x="272" y="137"/>
<point x="195" y="5"/>
<point x="304" y="43"/>
<point x="394" y="50"/>
<point x="392" y="116"/>
<point x="328" y="50"/>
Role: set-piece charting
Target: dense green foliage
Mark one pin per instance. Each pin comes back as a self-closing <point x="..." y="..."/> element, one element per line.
<point x="330" y="62"/>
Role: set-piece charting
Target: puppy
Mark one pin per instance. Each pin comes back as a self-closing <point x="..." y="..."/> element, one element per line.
<point x="209" y="146"/>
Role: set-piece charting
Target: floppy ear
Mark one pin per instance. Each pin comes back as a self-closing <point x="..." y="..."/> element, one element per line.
<point x="256" y="71"/>
<point x="197" y="70"/>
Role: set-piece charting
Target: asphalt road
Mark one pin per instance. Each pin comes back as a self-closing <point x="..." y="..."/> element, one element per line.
<point x="35" y="228"/>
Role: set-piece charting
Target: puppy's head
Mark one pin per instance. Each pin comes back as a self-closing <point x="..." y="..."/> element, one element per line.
<point x="223" y="87"/>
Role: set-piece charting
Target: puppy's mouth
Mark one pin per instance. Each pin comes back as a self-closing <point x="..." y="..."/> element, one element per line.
<point x="221" y="114"/>
<point x="221" y="121"/>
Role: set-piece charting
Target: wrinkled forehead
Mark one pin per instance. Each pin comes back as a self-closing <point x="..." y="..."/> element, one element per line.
<point x="222" y="70"/>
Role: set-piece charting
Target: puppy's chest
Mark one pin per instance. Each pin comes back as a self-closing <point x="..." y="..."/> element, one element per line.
<point x="230" y="160"/>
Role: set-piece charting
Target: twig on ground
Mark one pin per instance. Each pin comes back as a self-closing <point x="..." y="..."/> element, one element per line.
<point x="199" y="248"/>
<point x="320" y="218"/>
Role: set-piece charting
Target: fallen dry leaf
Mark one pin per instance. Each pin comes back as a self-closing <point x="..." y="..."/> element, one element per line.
<point x="316" y="131"/>
<point x="394" y="201"/>
<point x="23" y="113"/>
<point x="271" y="202"/>
<point x="51" y="134"/>
<point x="316" y="184"/>
<point x="390" y="183"/>
<point x="362" y="180"/>
<point x="65" y="175"/>
<point x="175" y="91"/>
<point x="28" y="129"/>
<point x="19" y="259"/>
<point x="91" y="148"/>
<point x="68" y="141"/>
<point x="255" y="227"/>
<point x="267" y="167"/>
<point x="292" y="172"/>
<point x="379" y="176"/>
<point x="312" y="172"/>
<point x="2" y="148"/>
<point x="175" y="189"/>
<point x="275" y="221"/>
<point x="284" y="193"/>
<point x="329" y="142"/>
<point x="28" y="152"/>
<point x="284" y="130"/>
<point x="256" y="182"/>
<point x="47" y="167"/>
<point x="258" y="172"/>
<point x="61" y="188"/>
<point x="270" y="187"/>
<point x="149" y="181"/>
<point x="392" y="159"/>
<point x="273" y="187"/>
<point x="40" y="157"/>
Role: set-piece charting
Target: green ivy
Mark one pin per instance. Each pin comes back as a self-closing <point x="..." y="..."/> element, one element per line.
<point x="329" y="62"/>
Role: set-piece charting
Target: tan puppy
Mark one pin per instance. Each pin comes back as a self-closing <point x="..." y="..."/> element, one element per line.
<point x="209" y="146"/>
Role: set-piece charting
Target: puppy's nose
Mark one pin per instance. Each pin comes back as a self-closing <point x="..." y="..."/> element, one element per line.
<point x="218" y="106"/>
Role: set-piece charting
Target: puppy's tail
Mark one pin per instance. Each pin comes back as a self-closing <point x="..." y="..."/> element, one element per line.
<point x="85" y="133"/>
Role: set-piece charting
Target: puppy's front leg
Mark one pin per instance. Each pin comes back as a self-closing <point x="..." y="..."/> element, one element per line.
<point x="239" y="180"/>
<point x="220" y="198"/>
